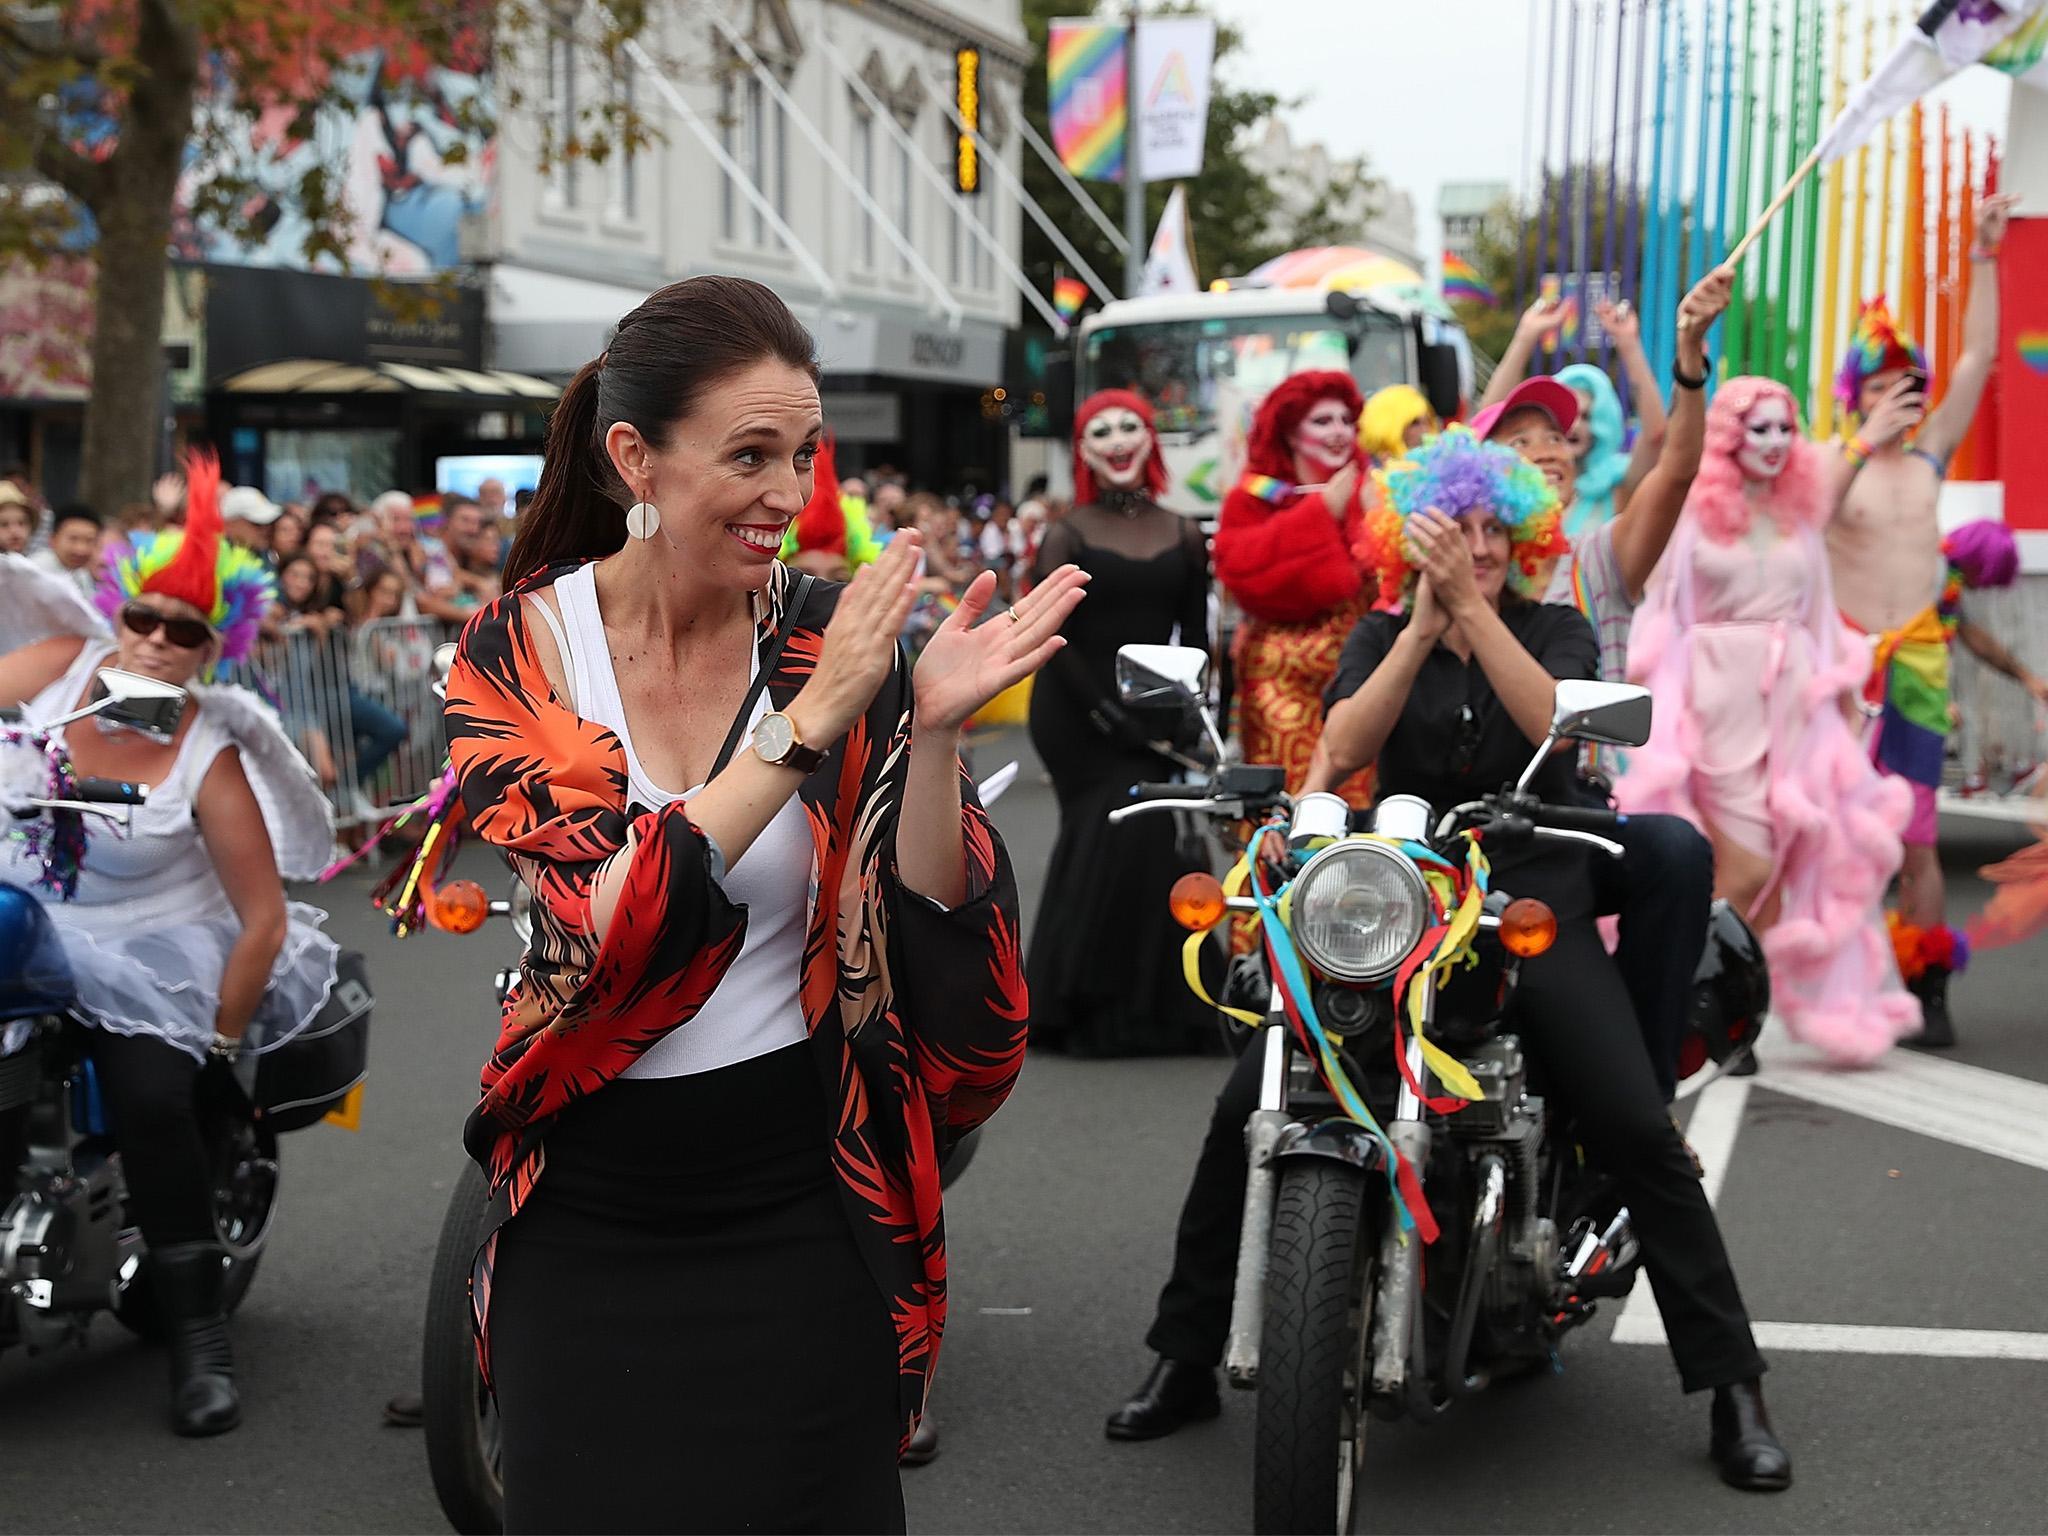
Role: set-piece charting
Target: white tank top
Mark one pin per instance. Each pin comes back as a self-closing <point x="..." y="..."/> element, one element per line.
<point x="756" y="1007"/>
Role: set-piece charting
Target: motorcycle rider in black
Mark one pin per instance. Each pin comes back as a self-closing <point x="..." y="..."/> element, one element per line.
<point x="1447" y="735"/>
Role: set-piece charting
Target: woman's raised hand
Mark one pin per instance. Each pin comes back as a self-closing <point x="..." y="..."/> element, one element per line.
<point x="1445" y="560"/>
<point x="860" y="644"/>
<point x="966" y="663"/>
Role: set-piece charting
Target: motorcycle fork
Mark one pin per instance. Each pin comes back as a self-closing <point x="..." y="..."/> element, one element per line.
<point x="1255" y="1230"/>
<point x="1399" y="1285"/>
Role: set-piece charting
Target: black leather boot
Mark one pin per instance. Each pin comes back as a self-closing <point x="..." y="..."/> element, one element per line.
<point x="189" y="1278"/>
<point x="1744" y="1446"/>
<point x="1176" y="1393"/>
<point x="1937" y="1029"/>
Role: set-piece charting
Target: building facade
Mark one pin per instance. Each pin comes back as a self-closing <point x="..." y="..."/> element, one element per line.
<point x="1307" y="176"/>
<point x="907" y="299"/>
<point x="1462" y="207"/>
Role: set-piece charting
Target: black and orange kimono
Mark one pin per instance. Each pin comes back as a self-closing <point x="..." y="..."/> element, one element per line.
<point x="916" y="1014"/>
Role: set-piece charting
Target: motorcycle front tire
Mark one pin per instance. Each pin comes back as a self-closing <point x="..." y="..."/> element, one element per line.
<point x="1311" y="1412"/>
<point x="458" y="1416"/>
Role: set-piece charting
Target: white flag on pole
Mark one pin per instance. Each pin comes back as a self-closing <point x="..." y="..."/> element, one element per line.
<point x="1950" y="36"/>
<point x="1175" y="54"/>
<point x="1169" y="268"/>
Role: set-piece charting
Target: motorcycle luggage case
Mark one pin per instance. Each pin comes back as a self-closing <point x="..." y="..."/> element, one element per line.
<point x="312" y="1072"/>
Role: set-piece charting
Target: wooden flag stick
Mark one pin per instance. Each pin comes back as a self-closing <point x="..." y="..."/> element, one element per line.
<point x="1763" y="220"/>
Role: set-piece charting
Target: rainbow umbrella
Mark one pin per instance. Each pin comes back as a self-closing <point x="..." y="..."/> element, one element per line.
<point x="1348" y="267"/>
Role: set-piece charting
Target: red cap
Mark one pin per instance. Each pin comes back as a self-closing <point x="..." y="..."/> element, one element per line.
<point x="1555" y="400"/>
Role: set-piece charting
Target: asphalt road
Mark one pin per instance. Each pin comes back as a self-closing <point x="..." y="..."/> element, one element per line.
<point x="1847" y="1232"/>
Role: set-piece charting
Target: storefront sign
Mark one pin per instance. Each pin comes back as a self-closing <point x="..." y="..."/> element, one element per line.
<point x="268" y="314"/>
<point x="862" y="416"/>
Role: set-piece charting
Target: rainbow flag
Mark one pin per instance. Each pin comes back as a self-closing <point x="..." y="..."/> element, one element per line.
<point x="1267" y="488"/>
<point x="1085" y="74"/>
<point x="1068" y="295"/>
<point x="1464" y="285"/>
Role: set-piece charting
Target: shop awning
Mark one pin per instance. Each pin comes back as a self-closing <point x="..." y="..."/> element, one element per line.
<point x="312" y="376"/>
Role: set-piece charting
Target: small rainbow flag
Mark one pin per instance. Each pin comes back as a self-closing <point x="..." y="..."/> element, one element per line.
<point x="1267" y="488"/>
<point x="1068" y="295"/>
<point x="2033" y="349"/>
<point x="1464" y="285"/>
<point x="1085" y="79"/>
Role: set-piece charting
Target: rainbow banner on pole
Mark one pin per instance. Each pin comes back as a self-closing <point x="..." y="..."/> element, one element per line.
<point x="1463" y="284"/>
<point x="1086" y="72"/>
<point x="1068" y="295"/>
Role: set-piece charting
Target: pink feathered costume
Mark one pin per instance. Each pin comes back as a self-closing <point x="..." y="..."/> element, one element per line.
<point x="1741" y="644"/>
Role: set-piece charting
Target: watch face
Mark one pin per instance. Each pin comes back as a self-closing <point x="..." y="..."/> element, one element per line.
<point x="773" y="737"/>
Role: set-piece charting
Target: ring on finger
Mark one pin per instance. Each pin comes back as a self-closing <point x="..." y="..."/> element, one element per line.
<point x="1013" y="616"/>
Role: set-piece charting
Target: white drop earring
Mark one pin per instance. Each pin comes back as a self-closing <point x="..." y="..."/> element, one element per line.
<point x="643" y="518"/>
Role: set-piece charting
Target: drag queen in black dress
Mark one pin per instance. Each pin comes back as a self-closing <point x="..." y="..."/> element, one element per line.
<point x="1105" y="958"/>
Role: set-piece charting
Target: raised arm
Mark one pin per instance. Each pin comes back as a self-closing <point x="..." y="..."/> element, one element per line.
<point x="1949" y="422"/>
<point x="1645" y="526"/>
<point x="1625" y="329"/>
<point x="1540" y="321"/>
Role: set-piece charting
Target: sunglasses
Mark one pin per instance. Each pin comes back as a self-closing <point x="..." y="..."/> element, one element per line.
<point x="186" y="634"/>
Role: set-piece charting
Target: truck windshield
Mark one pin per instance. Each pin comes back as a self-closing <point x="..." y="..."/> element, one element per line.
<point x="1182" y="366"/>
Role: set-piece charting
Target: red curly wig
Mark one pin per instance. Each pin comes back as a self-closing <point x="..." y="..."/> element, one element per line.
<point x="1085" y="489"/>
<point x="1267" y="451"/>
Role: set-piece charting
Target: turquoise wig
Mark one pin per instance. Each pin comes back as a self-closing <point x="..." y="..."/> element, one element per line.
<point x="1606" y="461"/>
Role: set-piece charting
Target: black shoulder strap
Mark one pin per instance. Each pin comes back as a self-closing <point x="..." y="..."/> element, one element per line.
<point x="798" y="593"/>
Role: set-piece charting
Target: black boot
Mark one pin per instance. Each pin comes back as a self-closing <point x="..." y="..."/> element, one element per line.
<point x="1937" y="1029"/>
<point x="1176" y="1393"/>
<point x="1744" y="1446"/>
<point x="189" y="1278"/>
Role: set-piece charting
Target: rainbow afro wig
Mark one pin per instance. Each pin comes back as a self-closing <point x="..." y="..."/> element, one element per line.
<point x="1457" y="474"/>
<point x="194" y="564"/>
<point x="1875" y="346"/>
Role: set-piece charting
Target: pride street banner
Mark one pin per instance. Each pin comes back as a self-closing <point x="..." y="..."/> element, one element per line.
<point x="1085" y="74"/>
<point x="1175" y="56"/>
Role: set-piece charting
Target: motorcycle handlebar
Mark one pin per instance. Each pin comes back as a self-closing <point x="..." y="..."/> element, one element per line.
<point x="112" y="792"/>
<point x="1163" y="791"/>
<point x="1580" y="818"/>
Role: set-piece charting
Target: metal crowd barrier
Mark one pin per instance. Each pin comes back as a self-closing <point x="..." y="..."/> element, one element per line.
<point x="360" y="705"/>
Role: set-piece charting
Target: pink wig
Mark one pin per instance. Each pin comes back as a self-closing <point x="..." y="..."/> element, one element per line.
<point x="1720" y="498"/>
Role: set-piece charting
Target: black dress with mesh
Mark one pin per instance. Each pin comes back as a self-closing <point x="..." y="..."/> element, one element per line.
<point x="1105" y="955"/>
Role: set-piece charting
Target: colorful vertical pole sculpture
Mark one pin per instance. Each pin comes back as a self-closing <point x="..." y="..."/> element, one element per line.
<point x="1738" y="205"/>
<point x="1990" y="424"/>
<point x="1886" y="178"/>
<point x="1777" y="325"/>
<point x="1965" y="465"/>
<point x="1608" y="231"/>
<point x="1582" y="240"/>
<point x="1652" y="299"/>
<point x="1807" y="235"/>
<point x="1565" y="221"/>
<point x="1757" y="346"/>
<point x="1914" y="236"/>
<point x="1699" y="255"/>
<point x="1663" y="325"/>
<point x="1719" y="246"/>
<point x="1830" y="330"/>
<point x="1542" y="254"/>
<point x="1859" y="280"/>
<point x="1631" y="246"/>
<point x="1942" y="269"/>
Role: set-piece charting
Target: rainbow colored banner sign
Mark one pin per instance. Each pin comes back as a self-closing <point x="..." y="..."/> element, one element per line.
<point x="1086" y="70"/>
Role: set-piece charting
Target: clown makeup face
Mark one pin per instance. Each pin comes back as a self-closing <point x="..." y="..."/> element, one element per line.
<point x="1767" y="433"/>
<point x="1325" y="440"/>
<point x="1116" y="447"/>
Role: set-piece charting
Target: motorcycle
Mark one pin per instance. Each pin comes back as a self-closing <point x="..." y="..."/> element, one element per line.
<point x="69" y="1246"/>
<point x="1396" y="1115"/>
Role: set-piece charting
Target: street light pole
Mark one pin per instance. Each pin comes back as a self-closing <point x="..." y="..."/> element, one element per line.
<point x="1134" y="175"/>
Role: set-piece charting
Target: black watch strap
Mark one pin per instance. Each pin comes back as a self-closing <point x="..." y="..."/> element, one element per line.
<point x="1685" y="380"/>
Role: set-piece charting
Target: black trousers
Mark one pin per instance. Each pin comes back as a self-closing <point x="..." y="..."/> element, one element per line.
<point x="151" y="1094"/>
<point x="1573" y="1014"/>
<point x="1662" y="888"/>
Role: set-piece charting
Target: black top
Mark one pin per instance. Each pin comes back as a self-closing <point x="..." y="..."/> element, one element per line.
<point x="1455" y="739"/>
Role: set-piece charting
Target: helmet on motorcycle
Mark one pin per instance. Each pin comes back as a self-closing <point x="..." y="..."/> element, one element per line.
<point x="1731" y="993"/>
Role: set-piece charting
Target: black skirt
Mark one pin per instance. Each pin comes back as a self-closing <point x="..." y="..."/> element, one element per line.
<point x="683" y="1333"/>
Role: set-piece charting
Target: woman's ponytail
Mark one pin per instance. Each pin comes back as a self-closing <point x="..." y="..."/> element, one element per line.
<point x="664" y="358"/>
<point x="570" y="517"/>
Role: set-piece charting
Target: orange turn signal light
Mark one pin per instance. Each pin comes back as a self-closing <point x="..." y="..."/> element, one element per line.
<point x="1527" y="927"/>
<point x="1197" y="901"/>
<point x="460" y="906"/>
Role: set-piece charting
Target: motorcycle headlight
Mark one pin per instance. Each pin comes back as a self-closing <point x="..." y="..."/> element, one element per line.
<point x="522" y="911"/>
<point x="1359" y="909"/>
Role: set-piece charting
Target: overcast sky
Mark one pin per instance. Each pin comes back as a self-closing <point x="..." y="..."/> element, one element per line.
<point x="1431" y="103"/>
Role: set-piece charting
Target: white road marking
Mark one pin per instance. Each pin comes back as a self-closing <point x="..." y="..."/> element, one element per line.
<point x="1967" y="1106"/>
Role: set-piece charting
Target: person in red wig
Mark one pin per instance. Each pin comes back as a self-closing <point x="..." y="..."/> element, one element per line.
<point x="1149" y="583"/>
<point x="829" y="538"/>
<point x="1286" y="555"/>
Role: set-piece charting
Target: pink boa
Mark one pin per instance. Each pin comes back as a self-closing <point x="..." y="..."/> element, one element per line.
<point x="1833" y="977"/>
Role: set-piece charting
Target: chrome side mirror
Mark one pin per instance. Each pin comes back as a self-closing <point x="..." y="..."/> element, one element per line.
<point x="444" y="663"/>
<point x="142" y="704"/>
<point x="1612" y="714"/>
<point x="1161" y="674"/>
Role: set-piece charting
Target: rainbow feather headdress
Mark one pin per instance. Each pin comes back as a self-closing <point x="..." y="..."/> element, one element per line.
<point x="195" y="564"/>
<point x="1456" y="473"/>
<point x="1875" y="346"/>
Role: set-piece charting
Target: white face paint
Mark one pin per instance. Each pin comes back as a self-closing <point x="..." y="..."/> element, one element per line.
<point x="1327" y="438"/>
<point x="1115" y="446"/>
<point x="1767" y="434"/>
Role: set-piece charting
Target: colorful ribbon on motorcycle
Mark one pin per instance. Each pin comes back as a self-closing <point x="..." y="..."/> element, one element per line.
<point x="53" y="839"/>
<point x="1191" y="953"/>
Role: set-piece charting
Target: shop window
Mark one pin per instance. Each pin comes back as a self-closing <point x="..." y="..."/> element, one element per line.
<point x="904" y="205"/>
<point x="756" y="138"/>
<point x="559" y="103"/>
<point x="864" y="169"/>
<point x="621" y="162"/>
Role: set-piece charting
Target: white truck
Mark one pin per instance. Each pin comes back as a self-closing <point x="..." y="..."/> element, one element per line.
<point x="1205" y="361"/>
